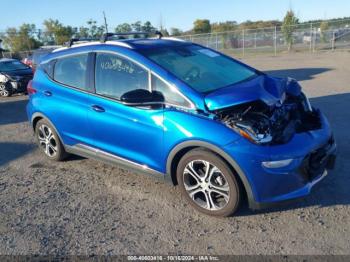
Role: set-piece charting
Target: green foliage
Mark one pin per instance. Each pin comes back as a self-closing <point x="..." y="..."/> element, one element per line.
<point x="135" y="27"/>
<point x="224" y="26"/>
<point x="92" y="30"/>
<point x="259" y="24"/>
<point x="324" y="26"/>
<point x="56" y="33"/>
<point x="201" y="26"/>
<point x="123" y="28"/>
<point x="22" y="39"/>
<point x="288" y="27"/>
<point x="175" y="31"/>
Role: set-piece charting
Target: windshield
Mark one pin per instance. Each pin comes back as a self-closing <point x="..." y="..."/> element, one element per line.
<point x="12" y="66"/>
<point x="203" y="69"/>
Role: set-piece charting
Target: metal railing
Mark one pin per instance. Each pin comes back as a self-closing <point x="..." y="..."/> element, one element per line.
<point x="272" y="40"/>
<point x="312" y="37"/>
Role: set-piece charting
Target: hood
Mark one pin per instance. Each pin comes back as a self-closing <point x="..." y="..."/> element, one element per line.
<point x="24" y="72"/>
<point x="268" y="89"/>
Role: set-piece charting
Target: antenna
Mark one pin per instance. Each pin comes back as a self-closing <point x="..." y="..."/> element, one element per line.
<point x="106" y="26"/>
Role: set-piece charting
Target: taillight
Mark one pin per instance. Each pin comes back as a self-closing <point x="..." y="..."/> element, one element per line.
<point x="30" y="89"/>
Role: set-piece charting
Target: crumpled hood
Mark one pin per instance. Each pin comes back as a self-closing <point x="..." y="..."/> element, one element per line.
<point x="268" y="89"/>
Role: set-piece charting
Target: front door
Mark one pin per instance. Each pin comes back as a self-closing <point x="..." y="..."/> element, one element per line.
<point x="132" y="133"/>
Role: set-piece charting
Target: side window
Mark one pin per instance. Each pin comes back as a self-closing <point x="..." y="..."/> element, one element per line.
<point x="115" y="75"/>
<point x="170" y="94"/>
<point x="71" y="71"/>
<point x="48" y="67"/>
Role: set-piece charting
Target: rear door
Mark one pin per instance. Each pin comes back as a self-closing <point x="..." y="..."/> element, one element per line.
<point x="66" y="97"/>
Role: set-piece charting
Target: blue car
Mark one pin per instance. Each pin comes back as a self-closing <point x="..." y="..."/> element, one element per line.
<point x="194" y="117"/>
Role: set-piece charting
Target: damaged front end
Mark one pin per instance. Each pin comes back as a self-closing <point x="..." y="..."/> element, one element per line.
<point x="275" y="118"/>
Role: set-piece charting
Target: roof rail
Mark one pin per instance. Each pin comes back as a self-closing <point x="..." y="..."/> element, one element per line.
<point x="121" y="36"/>
<point x="74" y="40"/>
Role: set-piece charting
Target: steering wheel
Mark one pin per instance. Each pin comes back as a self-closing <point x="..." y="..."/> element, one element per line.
<point x="193" y="73"/>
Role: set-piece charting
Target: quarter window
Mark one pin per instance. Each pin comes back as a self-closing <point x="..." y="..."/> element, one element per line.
<point x="114" y="76"/>
<point x="171" y="95"/>
<point x="71" y="71"/>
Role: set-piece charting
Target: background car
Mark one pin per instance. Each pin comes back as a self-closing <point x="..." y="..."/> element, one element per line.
<point x="39" y="54"/>
<point x="14" y="76"/>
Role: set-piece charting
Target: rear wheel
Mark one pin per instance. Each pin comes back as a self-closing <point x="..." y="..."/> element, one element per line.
<point x="208" y="183"/>
<point x="48" y="141"/>
<point x="5" y="90"/>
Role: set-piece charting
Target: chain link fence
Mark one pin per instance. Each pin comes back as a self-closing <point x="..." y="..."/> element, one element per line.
<point x="272" y="40"/>
<point x="311" y="37"/>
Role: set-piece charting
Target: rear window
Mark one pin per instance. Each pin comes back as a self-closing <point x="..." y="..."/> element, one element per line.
<point x="8" y="66"/>
<point x="38" y="56"/>
<point x="71" y="71"/>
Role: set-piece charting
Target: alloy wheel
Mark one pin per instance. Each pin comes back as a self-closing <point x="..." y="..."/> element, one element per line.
<point x="206" y="185"/>
<point x="47" y="140"/>
<point x="3" y="91"/>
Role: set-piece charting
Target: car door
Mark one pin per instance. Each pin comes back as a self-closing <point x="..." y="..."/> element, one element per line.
<point x="66" y="99"/>
<point x="134" y="134"/>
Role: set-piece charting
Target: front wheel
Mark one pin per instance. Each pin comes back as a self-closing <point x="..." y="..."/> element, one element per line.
<point x="208" y="183"/>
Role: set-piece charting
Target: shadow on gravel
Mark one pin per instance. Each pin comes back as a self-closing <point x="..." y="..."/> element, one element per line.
<point x="299" y="74"/>
<point x="334" y="189"/>
<point x="13" y="112"/>
<point x="10" y="151"/>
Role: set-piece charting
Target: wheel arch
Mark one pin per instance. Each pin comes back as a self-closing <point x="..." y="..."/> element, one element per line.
<point x="36" y="117"/>
<point x="181" y="149"/>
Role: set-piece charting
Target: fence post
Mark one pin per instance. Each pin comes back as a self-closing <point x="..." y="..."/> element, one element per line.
<point x="275" y="40"/>
<point x="255" y="39"/>
<point x="311" y="38"/>
<point x="314" y="40"/>
<point x="333" y="41"/>
<point x="216" y="41"/>
<point x="243" y="40"/>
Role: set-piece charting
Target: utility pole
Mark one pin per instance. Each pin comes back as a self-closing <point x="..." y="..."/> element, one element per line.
<point x="106" y="26"/>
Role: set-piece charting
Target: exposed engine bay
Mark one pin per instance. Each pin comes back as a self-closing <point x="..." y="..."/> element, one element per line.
<point x="271" y="124"/>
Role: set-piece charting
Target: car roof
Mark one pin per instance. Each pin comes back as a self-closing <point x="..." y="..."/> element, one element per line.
<point x="134" y="44"/>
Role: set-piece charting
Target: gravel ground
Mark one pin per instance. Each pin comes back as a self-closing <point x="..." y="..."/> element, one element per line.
<point x="84" y="207"/>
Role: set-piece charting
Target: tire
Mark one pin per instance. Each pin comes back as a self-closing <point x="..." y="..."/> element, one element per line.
<point x="216" y="192"/>
<point x="48" y="141"/>
<point x="5" y="90"/>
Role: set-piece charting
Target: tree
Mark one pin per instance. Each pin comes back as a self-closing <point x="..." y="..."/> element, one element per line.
<point x="136" y="27"/>
<point x="224" y="26"/>
<point x="324" y="26"/>
<point x="201" y="26"/>
<point x="92" y="30"/>
<point x="175" y="31"/>
<point x="148" y="27"/>
<point x="56" y="33"/>
<point x="123" y="28"/>
<point x="288" y="27"/>
<point x="22" y="39"/>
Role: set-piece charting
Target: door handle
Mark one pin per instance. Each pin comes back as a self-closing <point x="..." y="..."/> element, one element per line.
<point x="47" y="93"/>
<point x="97" y="108"/>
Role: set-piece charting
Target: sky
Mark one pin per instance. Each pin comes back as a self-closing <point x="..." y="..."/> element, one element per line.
<point x="172" y="13"/>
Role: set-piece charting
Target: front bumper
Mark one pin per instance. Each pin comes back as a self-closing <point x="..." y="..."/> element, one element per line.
<point x="313" y="152"/>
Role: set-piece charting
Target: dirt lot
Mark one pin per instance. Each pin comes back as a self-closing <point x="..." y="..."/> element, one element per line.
<point x="82" y="206"/>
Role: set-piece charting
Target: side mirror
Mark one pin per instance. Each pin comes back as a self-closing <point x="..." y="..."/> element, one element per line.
<point x="139" y="97"/>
